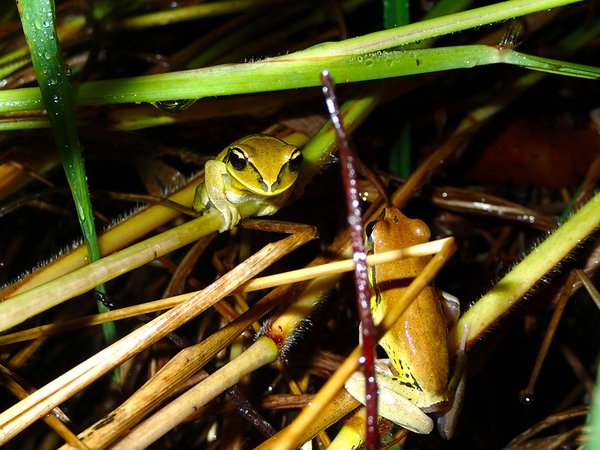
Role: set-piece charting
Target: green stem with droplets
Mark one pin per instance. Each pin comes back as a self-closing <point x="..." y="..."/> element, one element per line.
<point x="39" y="26"/>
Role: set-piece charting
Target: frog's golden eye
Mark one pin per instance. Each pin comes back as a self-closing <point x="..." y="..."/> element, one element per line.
<point x="237" y="159"/>
<point x="296" y="161"/>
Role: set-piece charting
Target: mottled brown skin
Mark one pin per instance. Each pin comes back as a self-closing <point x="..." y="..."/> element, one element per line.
<point x="417" y="344"/>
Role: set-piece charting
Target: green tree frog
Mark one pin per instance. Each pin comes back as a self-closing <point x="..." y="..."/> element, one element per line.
<point x="258" y="168"/>
<point x="414" y="380"/>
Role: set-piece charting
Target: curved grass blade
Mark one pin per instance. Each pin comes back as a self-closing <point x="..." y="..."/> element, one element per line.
<point x="38" y="20"/>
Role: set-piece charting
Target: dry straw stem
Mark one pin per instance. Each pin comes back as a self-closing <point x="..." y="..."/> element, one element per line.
<point x="565" y="294"/>
<point x="21" y="415"/>
<point x="589" y="286"/>
<point x="175" y="373"/>
<point x="121" y="235"/>
<point x="340" y="406"/>
<point x="263" y="351"/>
<point x="193" y="358"/>
<point x="55" y="420"/>
<point x="23" y="306"/>
<point x="527" y="438"/>
<point x="190" y="360"/>
<point x="293" y="276"/>
<point x="171" y="375"/>
<point x="292" y="436"/>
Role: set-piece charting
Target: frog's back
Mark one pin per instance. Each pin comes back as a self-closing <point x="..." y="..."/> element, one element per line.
<point x="417" y="344"/>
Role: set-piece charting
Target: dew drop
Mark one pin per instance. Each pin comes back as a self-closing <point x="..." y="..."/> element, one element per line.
<point x="526" y="397"/>
<point x="174" y="106"/>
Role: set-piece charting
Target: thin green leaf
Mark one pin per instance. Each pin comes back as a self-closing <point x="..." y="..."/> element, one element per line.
<point x="427" y="29"/>
<point x="279" y="74"/>
<point x="395" y="13"/>
<point x="39" y="26"/>
<point x="400" y="164"/>
<point x="593" y="440"/>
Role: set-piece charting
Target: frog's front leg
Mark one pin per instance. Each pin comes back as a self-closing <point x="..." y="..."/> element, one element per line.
<point x="213" y="193"/>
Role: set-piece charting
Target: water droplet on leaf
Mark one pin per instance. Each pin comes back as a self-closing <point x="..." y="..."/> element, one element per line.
<point x="174" y="106"/>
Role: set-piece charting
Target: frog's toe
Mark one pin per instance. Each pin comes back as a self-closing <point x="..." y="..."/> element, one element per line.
<point x="231" y="216"/>
<point x="227" y="221"/>
<point x="226" y="224"/>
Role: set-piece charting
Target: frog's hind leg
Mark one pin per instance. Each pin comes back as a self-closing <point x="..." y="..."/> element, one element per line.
<point x="391" y="405"/>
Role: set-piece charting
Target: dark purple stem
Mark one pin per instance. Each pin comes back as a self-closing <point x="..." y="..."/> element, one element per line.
<point x="363" y="293"/>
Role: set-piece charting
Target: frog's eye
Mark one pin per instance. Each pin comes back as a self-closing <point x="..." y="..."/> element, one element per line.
<point x="296" y="161"/>
<point x="369" y="228"/>
<point x="237" y="159"/>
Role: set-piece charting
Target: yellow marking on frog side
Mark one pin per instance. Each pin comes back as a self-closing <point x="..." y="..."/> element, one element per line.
<point x="415" y="378"/>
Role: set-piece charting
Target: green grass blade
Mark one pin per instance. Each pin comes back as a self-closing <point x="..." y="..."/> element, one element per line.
<point x="593" y="437"/>
<point x="400" y="158"/>
<point x="38" y="19"/>
<point x="427" y="29"/>
<point x="186" y="13"/>
<point x="279" y="74"/>
<point x="395" y="13"/>
<point x="550" y="65"/>
<point x="446" y="7"/>
<point x="298" y="69"/>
